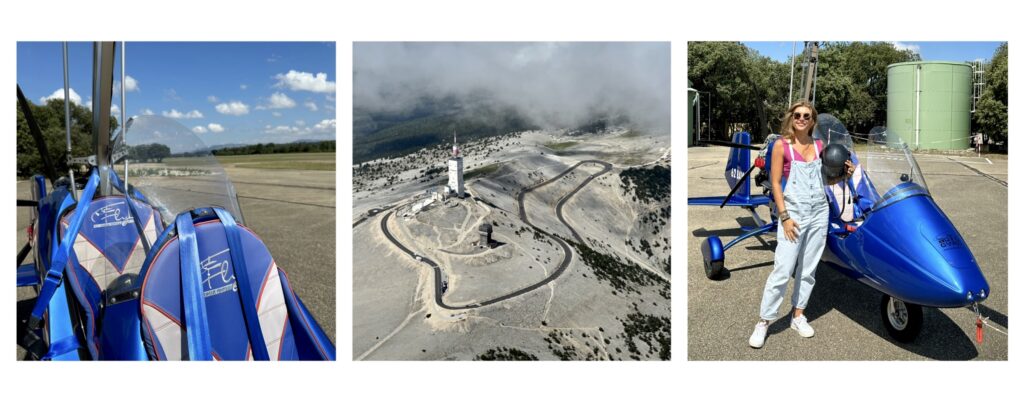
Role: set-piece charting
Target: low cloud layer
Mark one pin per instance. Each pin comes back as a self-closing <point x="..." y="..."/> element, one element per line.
<point x="555" y="85"/>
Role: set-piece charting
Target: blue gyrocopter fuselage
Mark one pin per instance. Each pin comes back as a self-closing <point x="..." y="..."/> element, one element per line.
<point x="893" y="237"/>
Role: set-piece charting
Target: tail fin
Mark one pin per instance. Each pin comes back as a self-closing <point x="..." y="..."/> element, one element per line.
<point x="738" y="164"/>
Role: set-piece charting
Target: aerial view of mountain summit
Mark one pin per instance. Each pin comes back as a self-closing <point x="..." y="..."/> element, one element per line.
<point x="511" y="201"/>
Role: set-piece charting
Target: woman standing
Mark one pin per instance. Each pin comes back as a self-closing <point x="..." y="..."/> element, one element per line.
<point x="798" y="191"/>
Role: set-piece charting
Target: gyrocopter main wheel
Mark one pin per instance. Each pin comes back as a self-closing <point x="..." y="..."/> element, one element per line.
<point x="713" y="269"/>
<point x="713" y="254"/>
<point x="902" y="320"/>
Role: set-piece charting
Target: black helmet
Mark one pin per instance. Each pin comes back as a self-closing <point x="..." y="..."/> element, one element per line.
<point x="833" y="161"/>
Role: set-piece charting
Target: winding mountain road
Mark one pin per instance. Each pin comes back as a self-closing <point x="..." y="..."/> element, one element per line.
<point x="438" y="284"/>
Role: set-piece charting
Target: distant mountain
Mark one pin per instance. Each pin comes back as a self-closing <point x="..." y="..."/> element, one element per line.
<point x="430" y="122"/>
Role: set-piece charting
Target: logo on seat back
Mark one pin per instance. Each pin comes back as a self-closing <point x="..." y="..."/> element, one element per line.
<point x="217" y="275"/>
<point x="110" y="215"/>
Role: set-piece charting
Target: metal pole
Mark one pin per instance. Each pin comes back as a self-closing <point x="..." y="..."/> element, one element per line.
<point x="102" y="90"/>
<point x="698" y="116"/>
<point x="67" y="121"/>
<point x="792" y="65"/>
<point x="124" y="123"/>
<point x="814" y="82"/>
<point x="917" y="108"/>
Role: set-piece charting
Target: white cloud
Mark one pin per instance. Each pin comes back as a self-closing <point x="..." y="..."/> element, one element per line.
<point x="175" y="114"/>
<point x="281" y="129"/>
<point x="214" y="127"/>
<point x="172" y="94"/>
<point x="212" y="99"/>
<point x="300" y="128"/>
<point x="305" y="81"/>
<point x="199" y="129"/>
<point x="130" y="85"/>
<point x="311" y="105"/>
<point x="276" y="114"/>
<point x="326" y="125"/>
<point x="904" y="46"/>
<point x="147" y="112"/>
<point x="243" y="86"/>
<point x="115" y="110"/>
<point x="280" y="101"/>
<point x="234" y="108"/>
<point x="59" y="94"/>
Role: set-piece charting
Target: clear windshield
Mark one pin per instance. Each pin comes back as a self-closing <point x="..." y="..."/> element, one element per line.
<point x="890" y="172"/>
<point x="173" y="168"/>
<point x="891" y="167"/>
<point x="830" y="130"/>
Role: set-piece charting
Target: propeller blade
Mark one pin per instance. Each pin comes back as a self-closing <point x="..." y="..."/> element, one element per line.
<point x="742" y="180"/>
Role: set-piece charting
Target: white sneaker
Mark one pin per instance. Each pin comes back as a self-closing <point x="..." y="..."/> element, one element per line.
<point x="800" y="325"/>
<point x="760" y="332"/>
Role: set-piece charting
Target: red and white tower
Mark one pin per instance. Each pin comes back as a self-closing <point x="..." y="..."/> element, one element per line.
<point x="455" y="182"/>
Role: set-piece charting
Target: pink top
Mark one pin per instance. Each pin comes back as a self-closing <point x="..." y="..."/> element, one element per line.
<point x="788" y="154"/>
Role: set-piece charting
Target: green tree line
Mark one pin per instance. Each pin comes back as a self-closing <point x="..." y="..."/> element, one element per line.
<point x="750" y="89"/>
<point x="153" y="152"/>
<point x="50" y="118"/>
<point x="269" y="148"/>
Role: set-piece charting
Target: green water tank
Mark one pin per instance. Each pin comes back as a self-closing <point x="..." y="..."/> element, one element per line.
<point x="929" y="104"/>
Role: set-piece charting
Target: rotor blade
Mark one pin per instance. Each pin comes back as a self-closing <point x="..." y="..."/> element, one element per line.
<point x="37" y="135"/>
<point x="742" y="180"/>
<point x="731" y="144"/>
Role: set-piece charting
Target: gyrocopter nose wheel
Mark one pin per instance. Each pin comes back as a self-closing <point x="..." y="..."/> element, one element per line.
<point x="902" y="320"/>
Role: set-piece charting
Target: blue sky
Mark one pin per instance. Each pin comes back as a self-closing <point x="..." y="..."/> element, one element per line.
<point x="929" y="50"/>
<point x="227" y="93"/>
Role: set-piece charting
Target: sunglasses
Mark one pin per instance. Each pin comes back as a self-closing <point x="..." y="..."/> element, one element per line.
<point x="798" y="116"/>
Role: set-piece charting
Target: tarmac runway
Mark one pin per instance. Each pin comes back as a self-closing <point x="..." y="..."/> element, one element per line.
<point x="293" y="212"/>
<point x="845" y="313"/>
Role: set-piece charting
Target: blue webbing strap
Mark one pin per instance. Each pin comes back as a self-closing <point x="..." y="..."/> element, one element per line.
<point x="133" y="210"/>
<point x="60" y="256"/>
<point x="66" y="344"/>
<point x="249" y="309"/>
<point x="196" y="329"/>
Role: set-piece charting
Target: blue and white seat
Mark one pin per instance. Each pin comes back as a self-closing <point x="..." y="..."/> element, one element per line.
<point x="107" y="255"/>
<point x="284" y="326"/>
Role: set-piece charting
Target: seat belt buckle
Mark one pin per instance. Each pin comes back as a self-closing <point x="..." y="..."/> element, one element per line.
<point x="34" y="323"/>
<point x="53" y="277"/>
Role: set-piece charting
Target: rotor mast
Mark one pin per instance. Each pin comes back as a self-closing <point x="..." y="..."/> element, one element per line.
<point x="102" y="92"/>
<point x="810" y="71"/>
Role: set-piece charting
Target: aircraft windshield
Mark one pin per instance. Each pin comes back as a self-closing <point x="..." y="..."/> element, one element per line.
<point x="891" y="172"/>
<point x="891" y="167"/>
<point x="173" y="168"/>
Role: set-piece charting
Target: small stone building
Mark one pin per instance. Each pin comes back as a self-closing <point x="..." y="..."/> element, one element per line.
<point x="485" y="234"/>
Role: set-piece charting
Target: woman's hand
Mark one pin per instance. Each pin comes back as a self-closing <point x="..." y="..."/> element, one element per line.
<point x="791" y="229"/>
<point x="849" y="168"/>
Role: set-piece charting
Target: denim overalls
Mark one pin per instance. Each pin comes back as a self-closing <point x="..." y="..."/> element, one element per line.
<point x="804" y="195"/>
